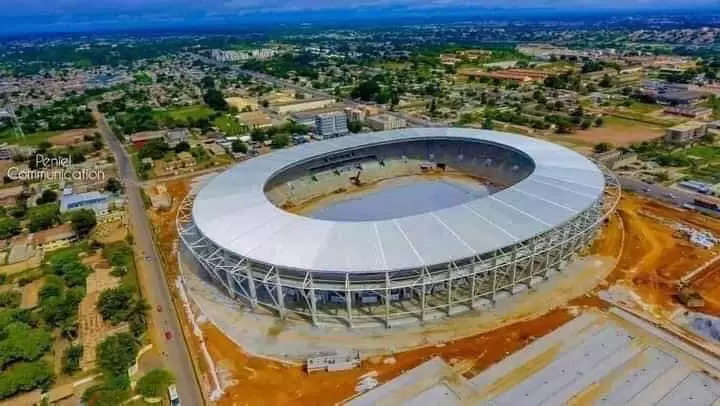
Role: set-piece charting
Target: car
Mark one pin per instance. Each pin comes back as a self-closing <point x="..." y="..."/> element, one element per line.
<point x="646" y="189"/>
<point x="159" y="308"/>
<point x="670" y="195"/>
<point x="168" y="335"/>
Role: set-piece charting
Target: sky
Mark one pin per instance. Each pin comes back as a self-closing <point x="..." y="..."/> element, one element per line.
<point x="48" y="15"/>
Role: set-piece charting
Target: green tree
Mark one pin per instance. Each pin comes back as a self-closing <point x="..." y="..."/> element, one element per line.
<point x="83" y="221"/>
<point x="48" y="196"/>
<point x="215" y="99"/>
<point x="114" y="304"/>
<point x="22" y="343"/>
<point x="280" y="140"/>
<point x="71" y="359"/>
<point x="116" y="353"/>
<point x="488" y="124"/>
<point x="355" y="126"/>
<point x="24" y="377"/>
<point x="239" y="147"/>
<point x="182" y="146"/>
<point x="43" y="217"/>
<point x="10" y="298"/>
<point x="113" y="185"/>
<point x="367" y="90"/>
<point x="9" y="227"/>
<point x="155" y="383"/>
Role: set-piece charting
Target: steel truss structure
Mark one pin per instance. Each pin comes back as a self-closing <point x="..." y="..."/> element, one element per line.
<point x="411" y="295"/>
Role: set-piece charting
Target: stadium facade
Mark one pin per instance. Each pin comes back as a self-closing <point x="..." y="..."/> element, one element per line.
<point x="549" y="205"/>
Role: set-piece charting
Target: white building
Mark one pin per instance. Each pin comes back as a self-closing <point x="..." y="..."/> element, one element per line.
<point x="384" y="122"/>
<point x="333" y="124"/>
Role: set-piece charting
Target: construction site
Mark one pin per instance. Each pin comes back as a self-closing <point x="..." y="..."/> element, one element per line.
<point x="643" y="262"/>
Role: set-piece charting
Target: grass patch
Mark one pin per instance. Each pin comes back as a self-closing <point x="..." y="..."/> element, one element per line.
<point x="29" y="139"/>
<point x="229" y="125"/>
<point x="143" y="79"/>
<point x="704" y="152"/>
<point x="186" y="113"/>
<point x="643" y="108"/>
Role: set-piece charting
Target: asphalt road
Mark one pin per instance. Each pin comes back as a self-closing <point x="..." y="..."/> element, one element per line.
<point x="658" y="192"/>
<point x="176" y="355"/>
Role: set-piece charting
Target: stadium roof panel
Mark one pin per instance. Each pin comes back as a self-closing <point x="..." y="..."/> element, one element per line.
<point x="233" y="211"/>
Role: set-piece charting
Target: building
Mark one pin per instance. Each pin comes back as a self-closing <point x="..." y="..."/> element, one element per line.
<point x="142" y="138"/>
<point x="302" y="105"/>
<point x="356" y="114"/>
<point x="616" y="159"/>
<point x="175" y="136"/>
<point x="254" y="119"/>
<point x="328" y="125"/>
<point x="384" y="122"/>
<point x="54" y="238"/>
<point x="689" y="111"/>
<point x="686" y="132"/>
<point x="512" y="75"/>
<point x="95" y="201"/>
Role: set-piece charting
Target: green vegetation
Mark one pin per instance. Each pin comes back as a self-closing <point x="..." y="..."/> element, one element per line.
<point x="228" y="125"/>
<point x="184" y="114"/>
<point x="155" y="383"/>
<point x="82" y="221"/>
<point x="9" y="227"/>
<point x="25" y="376"/>
<point x="143" y="78"/>
<point x="116" y="353"/>
<point x="23" y="343"/>
<point x="71" y="359"/>
<point x="43" y="217"/>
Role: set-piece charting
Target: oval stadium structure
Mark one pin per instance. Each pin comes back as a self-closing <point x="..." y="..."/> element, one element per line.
<point x="548" y="204"/>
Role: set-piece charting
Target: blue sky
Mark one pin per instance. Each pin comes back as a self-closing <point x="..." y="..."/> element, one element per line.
<point x="94" y="7"/>
<point x="63" y="15"/>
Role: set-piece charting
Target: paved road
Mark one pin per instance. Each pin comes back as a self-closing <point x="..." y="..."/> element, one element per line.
<point x="152" y="278"/>
<point x="658" y="192"/>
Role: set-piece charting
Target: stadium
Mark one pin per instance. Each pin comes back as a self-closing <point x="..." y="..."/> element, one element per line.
<point x="544" y="204"/>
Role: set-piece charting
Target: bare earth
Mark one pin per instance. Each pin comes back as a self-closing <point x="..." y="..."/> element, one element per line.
<point x="617" y="135"/>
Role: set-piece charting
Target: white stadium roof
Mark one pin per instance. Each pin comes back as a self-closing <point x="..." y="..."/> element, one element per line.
<point x="233" y="211"/>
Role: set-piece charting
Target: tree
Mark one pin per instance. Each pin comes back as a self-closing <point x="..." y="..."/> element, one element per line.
<point x="606" y="81"/>
<point x="71" y="359"/>
<point x="82" y="221"/>
<point x="599" y="122"/>
<point x="116" y="353"/>
<point x="24" y="377"/>
<point x="137" y="317"/>
<point x="43" y="217"/>
<point x="367" y="90"/>
<point x="155" y="383"/>
<point x="280" y="140"/>
<point x="22" y="343"/>
<point x="258" y="135"/>
<point x="48" y="196"/>
<point x="602" y="147"/>
<point x="215" y="99"/>
<point x="9" y="227"/>
<point x="155" y="149"/>
<point x="488" y="124"/>
<point x="114" y="304"/>
<point x="113" y="185"/>
<point x="239" y="147"/>
<point x="355" y="126"/>
<point x="182" y="146"/>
